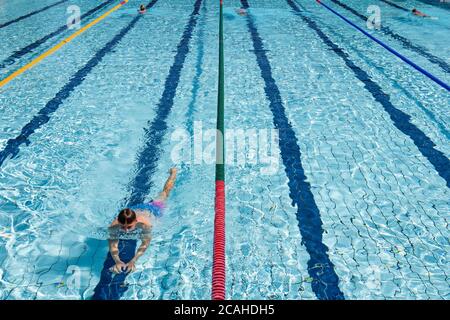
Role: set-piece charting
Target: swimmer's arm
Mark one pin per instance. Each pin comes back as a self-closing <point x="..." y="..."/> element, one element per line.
<point x="144" y="245"/>
<point x="114" y="246"/>
<point x="114" y="250"/>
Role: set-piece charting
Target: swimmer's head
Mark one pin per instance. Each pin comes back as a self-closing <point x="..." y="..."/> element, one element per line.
<point x="142" y="7"/>
<point x="127" y="219"/>
<point x="414" y="10"/>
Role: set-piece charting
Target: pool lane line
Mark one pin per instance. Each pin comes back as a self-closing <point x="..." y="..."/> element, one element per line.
<point x="185" y="173"/>
<point x="29" y="48"/>
<point x="12" y="146"/>
<point x="147" y="158"/>
<point x="327" y="41"/>
<point x="404" y="41"/>
<point x="400" y="119"/>
<point x="219" y="271"/>
<point x="31" y="14"/>
<point x="110" y="287"/>
<point x="59" y="45"/>
<point x="403" y="58"/>
<point x="198" y="71"/>
<point x="396" y="5"/>
<point x="441" y="4"/>
<point x="409" y="45"/>
<point x="325" y="282"/>
<point x="435" y="3"/>
<point x="400" y="56"/>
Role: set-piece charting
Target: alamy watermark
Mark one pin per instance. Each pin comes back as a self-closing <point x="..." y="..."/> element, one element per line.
<point x="74" y="19"/>
<point x="242" y="147"/>
<point x="73" y="280"/>
<point x="374" y="18"/>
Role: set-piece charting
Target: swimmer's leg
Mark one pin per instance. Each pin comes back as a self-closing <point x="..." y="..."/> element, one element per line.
<point x="157" y="205"/>
<point x="168" y="186"/>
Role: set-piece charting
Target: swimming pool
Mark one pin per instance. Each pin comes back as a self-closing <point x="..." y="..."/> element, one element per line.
<point x="357" y="207"/>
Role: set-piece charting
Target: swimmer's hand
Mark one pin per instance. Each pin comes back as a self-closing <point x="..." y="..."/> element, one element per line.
<point x="118" y="268"/>
<point x="130" y="266"/>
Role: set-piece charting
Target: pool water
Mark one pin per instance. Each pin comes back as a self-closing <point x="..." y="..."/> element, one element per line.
<point x="357" y="207"/>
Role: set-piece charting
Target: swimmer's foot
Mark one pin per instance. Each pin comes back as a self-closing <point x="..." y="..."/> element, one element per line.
<point x="173" y="172"/>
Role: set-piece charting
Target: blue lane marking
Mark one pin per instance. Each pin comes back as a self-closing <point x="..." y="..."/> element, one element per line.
<point x="111" y="287"/>
<point x="409" y="45"/>
<point x="401" y="120"/>
<point x="151" y="4"/>
<point x="29" y="48"/>
<point x="395" y="5"/>
<point x="325" y="282"/>
<point x="30" y="14"/>
<point x="443" y="4"/>
<point x="198" y="72"/>
<point x="438" y="3"/>
<point x="388" y="48"/>
<point x="12" y="147"/>
<point x="170" y="280"/>
<point x="149" y="155"/>
<point x="439" y="124"/>
<point x="404" y="41"/>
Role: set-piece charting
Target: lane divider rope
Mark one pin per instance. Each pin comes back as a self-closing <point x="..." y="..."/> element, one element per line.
<point x="218" y="272"/>
<point x="412" y="64"/>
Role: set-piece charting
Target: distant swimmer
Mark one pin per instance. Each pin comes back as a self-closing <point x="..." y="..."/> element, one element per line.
<point x="137" y="220"/>
<point x="420" y="14"/>
<point x="241" y="12"/>
<point x="142" y="9"/>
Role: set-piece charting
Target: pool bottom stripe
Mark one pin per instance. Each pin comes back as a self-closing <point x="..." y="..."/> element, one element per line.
<point x="147" y="158"/>
<point x="388" y="48"/>
<point x="31" y="14"/>
<point x="110" y="286"/>
<point x="59" y="45"/>
<point x="404" y="41"/>
<point x="325" y="282"/>
<point x="198" y="72"/>
<point x="400" y="119"/>
<point x="29" y="48"/>
<point x="12" y="147"/>
<point x="395" y="5"/>
<point x="441" y="4"/>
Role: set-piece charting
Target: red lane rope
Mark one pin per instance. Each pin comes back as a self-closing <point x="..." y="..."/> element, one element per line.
<point x="218" y="281"/>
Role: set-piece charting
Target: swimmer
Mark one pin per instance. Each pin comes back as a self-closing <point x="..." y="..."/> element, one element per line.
<point x="418" y="13"/>
<point x="241" y="12"/>
<point x="142" y="9"/>
<point x="137" y="218"/>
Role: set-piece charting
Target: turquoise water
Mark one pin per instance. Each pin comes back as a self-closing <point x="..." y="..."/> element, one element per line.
<point x="383" y="201"/>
